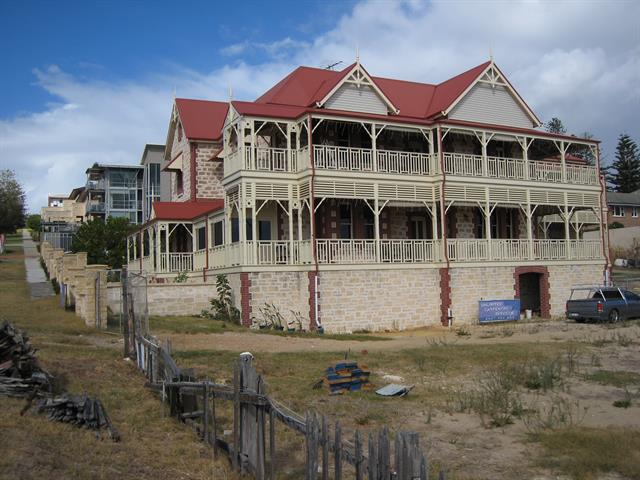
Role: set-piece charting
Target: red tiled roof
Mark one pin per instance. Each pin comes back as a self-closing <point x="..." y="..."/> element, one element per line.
<point x="185" y="210"/>
<point x="447" y="92"/>
<point x="202" y="119"/>
<point x="305" y="86"/>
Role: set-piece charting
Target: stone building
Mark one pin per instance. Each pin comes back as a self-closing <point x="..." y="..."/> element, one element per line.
<point x="361" y="202"/>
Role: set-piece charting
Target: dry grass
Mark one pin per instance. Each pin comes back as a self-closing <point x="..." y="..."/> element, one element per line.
<point x="587" y="453"/>
<point x="152" y="446"/>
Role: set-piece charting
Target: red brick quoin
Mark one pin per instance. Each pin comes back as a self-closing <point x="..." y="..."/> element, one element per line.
<point x="245" y="299"/>
<point x="545" y="296"/>
<point x="445" y="295"/>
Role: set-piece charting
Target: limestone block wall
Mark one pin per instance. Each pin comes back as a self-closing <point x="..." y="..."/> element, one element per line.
<point x="464" y="222"/>
<point x="469" y="285"/>
<point x="179" y="298"/>
<point x="209" y="172"/>
<point x="287" y="291"/>
<point x="563" y="277"/>
<point x="378" y="299"/>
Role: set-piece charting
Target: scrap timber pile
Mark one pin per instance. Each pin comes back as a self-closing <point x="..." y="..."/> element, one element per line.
<point x="20" y="372"/>
<point x="345" y="376"/>
<point x="82" y="411"/>
<point x="22" y="376"/>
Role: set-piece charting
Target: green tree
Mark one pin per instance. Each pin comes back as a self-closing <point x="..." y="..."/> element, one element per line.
<point x="624" y="172"/>
<point x="104" y="242"/>
<point x="585" y="152"/>
<point x="11" y="202"/>
<point x="34" y="222"/>
<point x="555" y="126"/>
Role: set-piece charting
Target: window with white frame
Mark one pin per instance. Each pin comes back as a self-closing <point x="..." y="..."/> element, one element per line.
<point x="634" y="212"/>
<point x="618" y="211"/>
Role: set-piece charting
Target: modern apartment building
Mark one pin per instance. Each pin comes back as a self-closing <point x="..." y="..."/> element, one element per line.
<point x="156" y="183"/>
<point x="364" y="202"/>
<point x="115" y="191"/>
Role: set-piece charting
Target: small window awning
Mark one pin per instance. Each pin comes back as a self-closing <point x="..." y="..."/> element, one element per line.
<point x="175" y="164"/>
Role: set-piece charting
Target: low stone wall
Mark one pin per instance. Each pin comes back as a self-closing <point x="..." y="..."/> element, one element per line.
<point x="563" y="277"/>
<point x="287" y="291"/>
<point x="469" y="285"/>
<point x="180" y="299"/>
<point x="377" y="300"/>
<point x="84" y="286"/>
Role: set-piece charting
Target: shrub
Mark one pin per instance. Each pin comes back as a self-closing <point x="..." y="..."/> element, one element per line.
<point x="222" y="307"/>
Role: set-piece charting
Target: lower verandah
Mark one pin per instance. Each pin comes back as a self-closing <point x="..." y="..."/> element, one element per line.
<point x="348" y="232"/>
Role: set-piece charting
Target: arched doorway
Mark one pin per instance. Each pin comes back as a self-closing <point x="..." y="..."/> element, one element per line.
<point x="532" y="288"/>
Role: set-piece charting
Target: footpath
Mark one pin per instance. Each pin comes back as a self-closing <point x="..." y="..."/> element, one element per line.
<point x="39" y="286"/>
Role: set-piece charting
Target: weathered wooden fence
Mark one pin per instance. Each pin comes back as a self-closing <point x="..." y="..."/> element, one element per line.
<point x="251" y="445"/>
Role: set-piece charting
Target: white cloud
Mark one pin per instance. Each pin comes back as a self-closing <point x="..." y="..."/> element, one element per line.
<point x="579" y="61"/>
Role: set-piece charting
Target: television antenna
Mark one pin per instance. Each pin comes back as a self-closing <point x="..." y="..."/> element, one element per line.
<point x="331" y="66"/>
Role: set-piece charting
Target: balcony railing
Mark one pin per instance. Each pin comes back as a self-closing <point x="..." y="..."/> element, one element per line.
<point x="176" y="262"/>
<point x="363" y="160"/>
<point x="481" y="250"/>
<point x="263" y="252"/>
<point x="261" y="159"/>
<point x="365" y="251"/>
<point x="517" y="169"/>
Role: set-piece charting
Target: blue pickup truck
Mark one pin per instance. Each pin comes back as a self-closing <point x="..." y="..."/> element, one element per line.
<point x="611" y="304"/>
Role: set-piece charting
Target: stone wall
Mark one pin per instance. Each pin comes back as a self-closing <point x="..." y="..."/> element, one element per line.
<point x="465" y="222"/>
<point x="209" y="171"/>
<point x="84" y="286"/>
<point x="378" y="299"/>
<point x="563" y="277"/>
<point x="469" y="285"/>
<point x="180" y="299"/>
<point x="288" y="291"/>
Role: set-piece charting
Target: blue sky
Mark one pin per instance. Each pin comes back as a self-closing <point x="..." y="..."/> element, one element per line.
<point x="112" y="40"/>
<point x="93" y="81"/>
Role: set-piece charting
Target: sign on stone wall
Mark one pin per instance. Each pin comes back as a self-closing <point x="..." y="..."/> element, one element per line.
<point x="499" y="310"/>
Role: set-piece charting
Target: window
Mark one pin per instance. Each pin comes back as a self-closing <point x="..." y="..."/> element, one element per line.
<point x="417" y="228"/>
<point x="618" y="211"/>
<point x="235" y="230"/>
<point x="369" y="223"/>
<point x="612" y="294"/>
<point x="201" y="238"/>
<point x="218" y="233"/>
<point x="345" y="221"/>
<point x="264" y="230"/>
<point x="179" y="186"/>
<point x="634" y="212"/>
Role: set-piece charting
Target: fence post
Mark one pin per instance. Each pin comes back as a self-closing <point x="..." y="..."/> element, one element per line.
<point x="383" y="454"/>
<point x="311" y="437"/>
<point x="337" y="451"/>
<point x="325" y="448"/>
<point x="358" y="455"/>
<point x="236" y="416"/>
<point x="272" y="444"/>
<point x="260" y="444"/>
<point x="125" y="313"/>
<point x="373" y="459"/>
<point x="205" y="411"/>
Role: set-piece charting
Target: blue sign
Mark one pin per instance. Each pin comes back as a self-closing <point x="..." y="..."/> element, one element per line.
<point x="499" y="310"/>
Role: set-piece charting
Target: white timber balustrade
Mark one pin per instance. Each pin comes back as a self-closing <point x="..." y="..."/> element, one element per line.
<point x="176" y="262"/>
<point x="262" y="159"/>
<point x="365" y="160"/>
<point x="364" y="251"/>
<point x="409" y="251"/>
<point x="516" y="169"/>
<point x="478" y="250"/>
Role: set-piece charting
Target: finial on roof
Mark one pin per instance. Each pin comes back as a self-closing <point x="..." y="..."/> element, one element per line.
<point x="357" y="54"/>
<point x="491" y="52"/>
<point x="174" y="92"/>
<point x="230" y="93"/>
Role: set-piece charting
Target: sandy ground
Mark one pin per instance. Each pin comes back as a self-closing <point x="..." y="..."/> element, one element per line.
<point x="459" y="440"/>
<point x="559" y="331"/>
